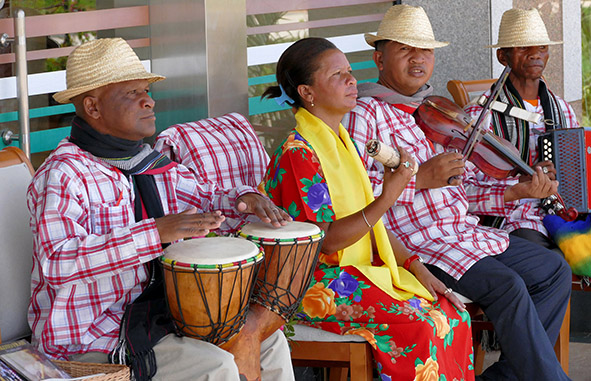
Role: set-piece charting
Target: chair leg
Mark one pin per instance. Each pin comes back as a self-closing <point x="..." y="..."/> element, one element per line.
<point x="338" y="374"/>
<point x="479" y="354"/>
<point x="361" y="361"/>
<point x="561" y="346"/>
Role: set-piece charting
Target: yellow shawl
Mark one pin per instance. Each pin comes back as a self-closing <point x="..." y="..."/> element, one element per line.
<point x="351" y="191"/>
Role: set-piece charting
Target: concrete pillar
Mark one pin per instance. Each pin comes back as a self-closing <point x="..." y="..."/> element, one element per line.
<point x="200" y="46"/>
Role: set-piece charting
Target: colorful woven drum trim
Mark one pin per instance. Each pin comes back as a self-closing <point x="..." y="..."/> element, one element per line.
<point x="284" y="241"/>
<point x="173" y="263"/>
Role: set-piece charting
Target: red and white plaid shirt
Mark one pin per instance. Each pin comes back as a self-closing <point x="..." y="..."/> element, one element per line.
<point x="89" y="253"/>
<point x="434" y="223"/>
<point x="528" y="214"/>
<point x="224" y="150"/>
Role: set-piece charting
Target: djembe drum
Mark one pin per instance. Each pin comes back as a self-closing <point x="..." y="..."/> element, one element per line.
<point x="291" y="254"/>
<point x="209" y="283"/>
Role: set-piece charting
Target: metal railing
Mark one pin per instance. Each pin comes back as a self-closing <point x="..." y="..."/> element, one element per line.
<point x="22" y="88"/>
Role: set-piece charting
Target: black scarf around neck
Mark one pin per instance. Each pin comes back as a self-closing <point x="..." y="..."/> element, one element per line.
<point x="146" y="319"/>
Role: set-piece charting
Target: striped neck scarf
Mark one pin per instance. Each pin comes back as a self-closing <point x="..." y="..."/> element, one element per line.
<point x="132" y="158"/>
<point x="517" y="130"/>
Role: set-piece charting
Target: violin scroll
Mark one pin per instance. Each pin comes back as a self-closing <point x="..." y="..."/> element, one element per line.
<point x="555" y="205"/>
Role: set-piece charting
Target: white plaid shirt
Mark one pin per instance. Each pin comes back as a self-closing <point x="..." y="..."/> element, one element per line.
<point x="434" y="223"/>
<point x="89" y="253"/>
<point x="528" y="214"/>
<point x="224" y="150"/>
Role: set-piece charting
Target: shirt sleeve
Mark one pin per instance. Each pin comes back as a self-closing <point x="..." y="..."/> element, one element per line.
<point x="207" y="196"/>
<point x="486" y="195"/>
<point x="362" y="128"/>
<point x="77" y="242"/>
<point x="368" y="121"/>
<point x="569" y="113"/>
<point x="294" y="181"/>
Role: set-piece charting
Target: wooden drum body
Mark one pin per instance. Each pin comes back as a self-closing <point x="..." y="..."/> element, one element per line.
<point x="291" y="254"/>
<point x="209" y="283"/>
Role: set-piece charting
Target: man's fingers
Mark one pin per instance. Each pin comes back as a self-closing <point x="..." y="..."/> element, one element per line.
<point x="188" y="223"/>
<point x="263" y="208"/>
<point x="269" y="213"/>
<point x="241" y="206"/>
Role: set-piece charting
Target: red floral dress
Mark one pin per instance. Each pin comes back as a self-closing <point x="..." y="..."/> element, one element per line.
<point x="411" y="340"/>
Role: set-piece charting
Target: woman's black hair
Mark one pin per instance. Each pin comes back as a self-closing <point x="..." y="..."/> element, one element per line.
<point x="296" y="66"/>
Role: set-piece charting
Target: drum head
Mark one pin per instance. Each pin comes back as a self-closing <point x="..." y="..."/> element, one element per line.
<point x="211" y="251"/>
<point x="291" y="231"/>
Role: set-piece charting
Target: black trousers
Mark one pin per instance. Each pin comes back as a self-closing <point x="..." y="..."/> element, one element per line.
<point x="524" y="292"/>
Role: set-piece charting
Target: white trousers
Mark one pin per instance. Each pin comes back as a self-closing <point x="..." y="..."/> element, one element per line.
<point x="183" y="358"/>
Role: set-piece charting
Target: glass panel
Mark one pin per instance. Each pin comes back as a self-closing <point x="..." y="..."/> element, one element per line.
<point x="54" y="28"/>
<point x="269" y="34"/>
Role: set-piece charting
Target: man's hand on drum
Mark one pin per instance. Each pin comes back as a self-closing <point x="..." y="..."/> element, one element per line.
<point x="263" y="208"/>
<point x="187" y="224"/>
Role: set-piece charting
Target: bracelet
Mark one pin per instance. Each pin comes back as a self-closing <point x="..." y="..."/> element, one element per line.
<point x="410" y="260"/>
<point x="365" y="218"/>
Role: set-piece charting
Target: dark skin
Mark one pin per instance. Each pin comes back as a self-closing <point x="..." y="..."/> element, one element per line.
<point x="333" y="91"/>
<point x="406" y="69"/>
<point x="125" y="110"/>
<point x="527" y="65"/>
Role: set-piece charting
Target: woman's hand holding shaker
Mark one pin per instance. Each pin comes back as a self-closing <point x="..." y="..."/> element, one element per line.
<point x="388" y="156"/>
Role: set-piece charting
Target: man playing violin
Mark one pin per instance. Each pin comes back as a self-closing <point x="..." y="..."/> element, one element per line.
<point x="521" y="288"/>
<point x="523" y="46"/>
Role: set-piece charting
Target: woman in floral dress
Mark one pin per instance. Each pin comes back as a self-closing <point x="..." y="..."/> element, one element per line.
<point x="317" y="175"/>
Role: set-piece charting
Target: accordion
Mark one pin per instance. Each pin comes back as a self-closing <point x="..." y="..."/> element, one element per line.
<point x="570" y="151"/>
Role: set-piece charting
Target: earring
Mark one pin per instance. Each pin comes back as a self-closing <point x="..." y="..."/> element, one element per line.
<point x="312" y="103"/>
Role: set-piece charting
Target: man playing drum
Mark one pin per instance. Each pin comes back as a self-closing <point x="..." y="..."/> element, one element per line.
<point x="523" y="288"/>
<point x="524" y="46"/>
<point x="102" y="205"/>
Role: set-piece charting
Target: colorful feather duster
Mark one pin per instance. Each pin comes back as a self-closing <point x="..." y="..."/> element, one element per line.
<point x="574" y="239"/>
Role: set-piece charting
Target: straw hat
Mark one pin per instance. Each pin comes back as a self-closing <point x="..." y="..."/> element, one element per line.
<point x="408" y="25"/>
<point x="521" y="27"/>
<point x="100" y="62"/>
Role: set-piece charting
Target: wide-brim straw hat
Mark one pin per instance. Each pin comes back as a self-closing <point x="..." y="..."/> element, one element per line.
<point x="101" y="62"/>
<point x="407" y="25"/>
<point x="522" y="27"/>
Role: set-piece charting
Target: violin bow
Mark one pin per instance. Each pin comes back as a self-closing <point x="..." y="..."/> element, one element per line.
<point x="478" y="131"/>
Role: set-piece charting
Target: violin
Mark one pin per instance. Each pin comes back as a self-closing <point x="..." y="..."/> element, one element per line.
<point x="445" y="123"/>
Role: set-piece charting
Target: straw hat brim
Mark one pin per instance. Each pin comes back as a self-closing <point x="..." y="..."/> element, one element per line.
<point x="519" y="45"/>
<point x="421" y="44"/>
<point x="66" y="96"/>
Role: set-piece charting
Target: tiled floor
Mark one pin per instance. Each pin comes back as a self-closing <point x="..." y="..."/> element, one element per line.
<point x="579" y="360"/>
<point x="579" y="363"/>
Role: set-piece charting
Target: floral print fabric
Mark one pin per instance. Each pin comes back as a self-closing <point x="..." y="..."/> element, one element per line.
<point x="411" y="340"/>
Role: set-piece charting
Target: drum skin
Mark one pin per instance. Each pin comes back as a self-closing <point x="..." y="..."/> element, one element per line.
<point x="210" y="301"/>
<point x="291" y="254"/>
